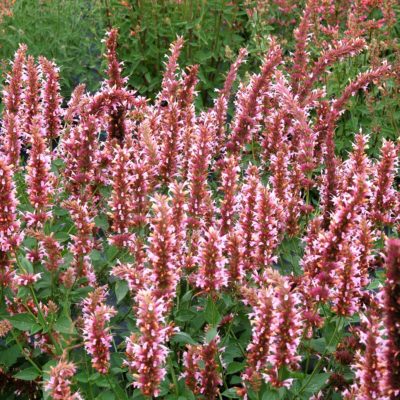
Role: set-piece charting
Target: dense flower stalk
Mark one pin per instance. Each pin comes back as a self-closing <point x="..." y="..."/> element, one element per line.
<point x="50" y="99"/>
<point x="81" y="154"/>
<point x="220" y="108"/>
<point x="205" y="380"/>
<point x="247" y="115"/>
<point x="161" y="253"/>
<point x="179" y="220"/>
<point x="50" y="250"/>
<point x="267" y="228"/>
<point x="40" y="180"/>
<point x="369" y="363"/>
<point x="10" y="237"/>
<point x="234" y="254"/>
<point x="30" y="95"/>
<point x="384" y="197"/>
<point x="287" y="329"/>
<point x="261" y="319"/>
<point x="141" y="187"/>
<point x="247" y="215"/>
<point x="336" y="52"/>
<point x="392" y="320"/>
<point x="75" y="103"/>
<point x="147" y="352"/>
<point x="301" y="56"/>
<point x="172" y="142"/>
<point x="212" y="275"/>
<point x="12" y="92"/>
<point x="96" y="332"/>
<point x="10" y="139"/>
<point x="114" y="69"/>
<point x="170" y="82"/>
<point x="121" y="198"/>
<point x="82" y="242"/>
<point x="229" y="187"/>
<point x="198" y="171"/>
<point x="59" y="384"/>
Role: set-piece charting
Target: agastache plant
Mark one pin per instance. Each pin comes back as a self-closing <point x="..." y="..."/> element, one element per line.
<point x="188" y="248"/>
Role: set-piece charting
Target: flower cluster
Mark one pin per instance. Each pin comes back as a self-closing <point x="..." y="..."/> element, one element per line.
<point x="234" y="250"/>
<point x="96" y="333"/>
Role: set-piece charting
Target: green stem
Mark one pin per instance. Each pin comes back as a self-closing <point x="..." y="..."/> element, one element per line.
<point x="24" y="353"/>
<point x="171" y="368"/>
<point x="317" y="366"/>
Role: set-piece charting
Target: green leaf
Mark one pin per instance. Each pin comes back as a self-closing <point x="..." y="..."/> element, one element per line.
<point x="26" y="265"/>
<point x="270" y="395"/>
<point x="10" y="356"/>
<point x="64" y="325"/>
<point x="28" y="374"/>
<point x="210" y="335"/>
<point x="183" y="338"/>
<point x="101" y="221"/>
<point x="211" y="314"/>
<point x="106" y="396"/>
<point x="316" y="383"/>
<point x="231" y="394"/>
<point x="23" y="322"/>
<point x="121" y="290"/>
<point x="234" y="367"/>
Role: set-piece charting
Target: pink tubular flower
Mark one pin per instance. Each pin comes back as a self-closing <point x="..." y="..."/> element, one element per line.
<point x="336" y="52"/>
<point x="49" y="250"/>
<point x="369" y="363"/>
<point x="75" y="103"/>
<point x="301" y="56"/>
<point x="114" y="69"/>
<point x="141" y="187"/>
<point x="234" y="253"/>
<point x="205" y="379"/>
<point x="229" y="179"/>
<point x="170" y="83"/>
<point x="171" y="142"/>
<point x="96" y="333"/>
<point x="121" y="198"/>
<point x="10" y="135"/>
<point x="287" y="331"/>
<point x="12" y="115"/>
<point x="82" y="242"/>
<point x="219" y="111"/>
<point x="179" y="220"/>
<point x="346" y="290"/>
<point x="165" y="272"/>
<point x="328" y="246"/>
<point x="261" y="319"/>
<point x="392" y="320"/>
<point x="40" y="180"/>
<point x="267" y="228"/>
<point x="247" y="215"/>
<point x="245" y="122"/>
<point x="50" y="99"/>
<point x="200" y="196"/>
<point x="357" y="163"/>
<point x="81" y="154"/>
<point x="26" y="279"/>
<point x="12" y="92"/>
<point x="146" y="351"/>
<point x="60" y="382"/>
<point x="30" y="95"/>
<point x="384" y="196"/>
<point x="360" y="83"/>
<point x="9" y="225"/>
<point x="303" y="137"/>
<point x="212" y="275"/>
